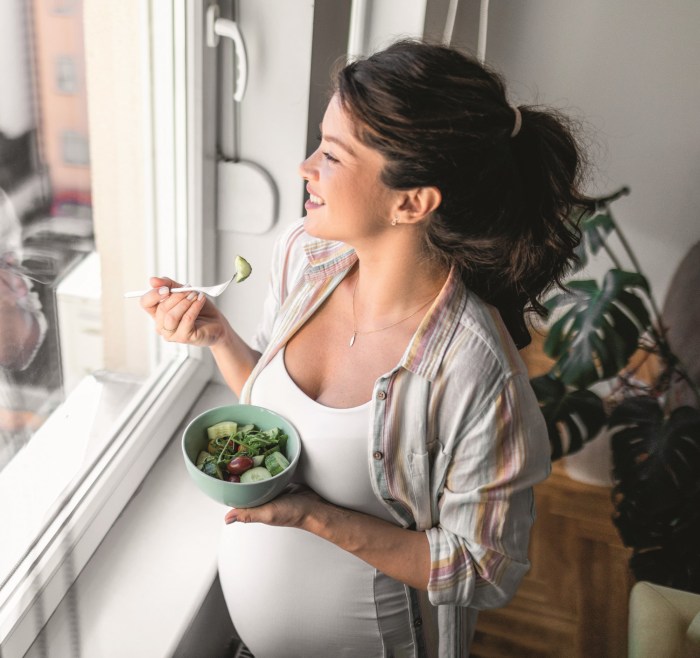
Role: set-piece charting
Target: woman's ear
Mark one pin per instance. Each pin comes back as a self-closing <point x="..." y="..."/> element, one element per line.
<point x="417" y="204"/>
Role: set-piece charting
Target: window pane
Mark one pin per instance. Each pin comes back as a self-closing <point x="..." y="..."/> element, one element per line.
<point x="45" y="207"/>
<point x="74" y="355"/>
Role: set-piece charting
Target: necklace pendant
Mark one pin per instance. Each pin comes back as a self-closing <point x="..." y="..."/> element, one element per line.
<point x="352" y="340"/>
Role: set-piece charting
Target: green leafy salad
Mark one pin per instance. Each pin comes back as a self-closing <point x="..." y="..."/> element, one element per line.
<point x="243" y="454"/>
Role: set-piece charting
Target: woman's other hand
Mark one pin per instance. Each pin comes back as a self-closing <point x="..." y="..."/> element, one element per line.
<point x="398" y="552"/>
<point x="289" y="509"/>
<point x="185" y="317"/>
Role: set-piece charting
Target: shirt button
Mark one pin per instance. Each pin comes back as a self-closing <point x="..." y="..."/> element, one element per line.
<point x="418" y="622"/>
<point x="381" y="395"/>
<point x="378" y="455"/>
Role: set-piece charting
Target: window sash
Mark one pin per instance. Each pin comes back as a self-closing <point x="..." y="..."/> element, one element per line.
<point x="172" y="37"/>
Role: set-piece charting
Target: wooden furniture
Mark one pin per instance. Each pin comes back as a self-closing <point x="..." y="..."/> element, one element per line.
<point x="574" y="601"/>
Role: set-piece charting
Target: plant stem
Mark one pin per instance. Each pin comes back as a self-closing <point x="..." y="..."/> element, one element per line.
<point x="637" y="268"/>
<point x="605" y="201"/>
<point x="610" y="252"/>
<point x="603" y="204"/>
<point x="658" y="335"/>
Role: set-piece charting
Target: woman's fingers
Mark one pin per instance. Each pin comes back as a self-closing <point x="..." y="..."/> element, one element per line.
<point x="160" y="291"/>
<point x="286" y="510"/>
<point x="264" y="514"/>
<point x="174" y="314"/>
<point x="158" y="281"/>
<point x="179" y="315"/>
<point x="153" y="298"/>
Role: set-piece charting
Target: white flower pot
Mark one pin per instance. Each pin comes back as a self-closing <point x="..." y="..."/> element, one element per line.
<point x="593" y="463"/>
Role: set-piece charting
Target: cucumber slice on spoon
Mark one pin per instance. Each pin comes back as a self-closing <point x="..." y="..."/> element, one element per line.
<point x="243" y="269"/>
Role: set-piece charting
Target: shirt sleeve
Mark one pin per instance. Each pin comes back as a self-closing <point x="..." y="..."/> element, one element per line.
<point x="479" y="547"/>
<point x="288" y="262"/>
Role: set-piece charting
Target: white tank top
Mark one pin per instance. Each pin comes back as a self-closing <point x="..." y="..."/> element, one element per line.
<point x="334" y="460"/>
<point x="291" y="593"/>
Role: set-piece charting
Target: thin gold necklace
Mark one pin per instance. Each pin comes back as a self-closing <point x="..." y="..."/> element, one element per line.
<point x="355" y="331"/>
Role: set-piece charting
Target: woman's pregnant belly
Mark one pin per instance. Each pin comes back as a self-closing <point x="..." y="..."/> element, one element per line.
<point x="291" y="594"/>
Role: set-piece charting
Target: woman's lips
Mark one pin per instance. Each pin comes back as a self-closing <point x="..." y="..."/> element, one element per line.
<point x="314" y="201"/>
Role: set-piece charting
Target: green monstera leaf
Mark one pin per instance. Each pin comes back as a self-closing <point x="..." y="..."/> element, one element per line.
<point x="572" y="417"/>
<point x="656" y="461"/>
<point x="595" y="227"/>
<point x="600" y="328"/>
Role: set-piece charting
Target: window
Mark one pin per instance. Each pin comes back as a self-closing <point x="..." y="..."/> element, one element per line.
<point x="91" y="203"/>
<point x="145" y="207"/>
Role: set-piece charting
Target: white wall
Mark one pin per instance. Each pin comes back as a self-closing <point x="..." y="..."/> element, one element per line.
<point x="629" y="69"/>
<point x="273" y="122"/>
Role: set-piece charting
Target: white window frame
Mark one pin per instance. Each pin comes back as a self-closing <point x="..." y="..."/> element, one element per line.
<point x="172" y="54"/>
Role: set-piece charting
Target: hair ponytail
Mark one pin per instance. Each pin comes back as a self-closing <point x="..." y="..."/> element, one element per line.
<point x="544" y="208"/>
<point x="441" y="119"/>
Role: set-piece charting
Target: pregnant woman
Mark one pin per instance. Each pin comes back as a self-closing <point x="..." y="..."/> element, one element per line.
<point x="437" y="216"/>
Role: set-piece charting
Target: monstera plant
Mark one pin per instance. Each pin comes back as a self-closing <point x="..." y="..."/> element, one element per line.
<point x="601" y="333"/>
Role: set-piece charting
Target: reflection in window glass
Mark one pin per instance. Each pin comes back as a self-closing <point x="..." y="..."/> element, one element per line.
<point x="63" y="380"/>
<point x="45" y="209"/>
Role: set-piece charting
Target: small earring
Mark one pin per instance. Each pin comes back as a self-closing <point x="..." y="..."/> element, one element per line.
<point x="395" y="221"/>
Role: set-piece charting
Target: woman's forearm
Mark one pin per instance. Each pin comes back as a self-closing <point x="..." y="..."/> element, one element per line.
<point x="234" y="358"/>
<point x="399" y="553"/>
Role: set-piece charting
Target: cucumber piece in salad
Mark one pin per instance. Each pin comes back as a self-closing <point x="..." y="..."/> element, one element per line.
<point x="276" y="462"/>
<point x="256" y="474"/>
<point x="224" y="429"/>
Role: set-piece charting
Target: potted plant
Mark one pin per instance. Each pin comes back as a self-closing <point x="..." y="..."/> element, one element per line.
<point x="603" y="334"/>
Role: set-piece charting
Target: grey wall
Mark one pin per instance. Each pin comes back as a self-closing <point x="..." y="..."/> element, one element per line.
<point x="629" y="70"/>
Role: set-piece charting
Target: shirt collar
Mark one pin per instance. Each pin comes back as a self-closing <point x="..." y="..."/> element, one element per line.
<point x="425" y="352"/>
<point x="327" y="258"/>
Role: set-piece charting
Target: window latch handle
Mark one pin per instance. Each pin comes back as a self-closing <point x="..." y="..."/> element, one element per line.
<point x="223" y="27"/>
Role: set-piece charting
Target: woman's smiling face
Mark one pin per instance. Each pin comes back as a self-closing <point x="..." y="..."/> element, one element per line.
<point x="348" y="201"/>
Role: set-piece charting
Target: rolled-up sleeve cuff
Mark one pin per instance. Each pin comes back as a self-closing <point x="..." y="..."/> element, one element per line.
<point x="468" y="576"/>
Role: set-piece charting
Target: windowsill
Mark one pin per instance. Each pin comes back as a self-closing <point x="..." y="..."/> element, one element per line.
<point x="54" y="465"/>
<point x="143" y="586"/>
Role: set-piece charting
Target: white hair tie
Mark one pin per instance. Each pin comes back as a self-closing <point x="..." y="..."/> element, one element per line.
<point x="518" y="121"/>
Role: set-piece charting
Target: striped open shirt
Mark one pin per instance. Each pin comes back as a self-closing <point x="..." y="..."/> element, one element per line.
<point x="456" y="441"/>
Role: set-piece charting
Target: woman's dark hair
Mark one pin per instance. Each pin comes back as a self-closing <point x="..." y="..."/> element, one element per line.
<point x="442" y="119"/>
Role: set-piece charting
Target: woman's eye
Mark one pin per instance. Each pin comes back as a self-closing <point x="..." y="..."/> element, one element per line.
<point x="326" y="154"/>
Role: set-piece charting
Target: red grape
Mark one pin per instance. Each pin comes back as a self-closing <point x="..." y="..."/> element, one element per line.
<point x="239" y="465"/>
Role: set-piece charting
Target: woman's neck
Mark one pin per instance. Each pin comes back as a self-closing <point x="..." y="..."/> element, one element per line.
<point x="389" y="282"/>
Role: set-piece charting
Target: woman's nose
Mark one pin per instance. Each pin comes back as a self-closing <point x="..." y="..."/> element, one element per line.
<point x="307" y="168"/>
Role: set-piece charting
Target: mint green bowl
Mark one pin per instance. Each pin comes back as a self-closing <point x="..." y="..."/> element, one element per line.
<point x="237" y="494"/>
